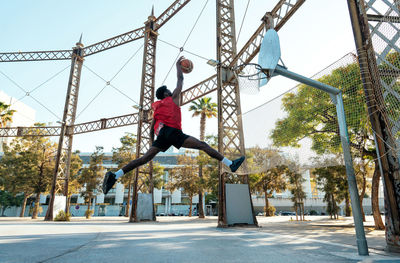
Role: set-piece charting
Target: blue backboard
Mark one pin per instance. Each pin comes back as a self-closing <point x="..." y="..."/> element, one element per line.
<point x="270" y="53"/>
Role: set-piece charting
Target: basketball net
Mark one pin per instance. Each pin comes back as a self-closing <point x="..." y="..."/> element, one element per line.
<point x="249" y="77"/>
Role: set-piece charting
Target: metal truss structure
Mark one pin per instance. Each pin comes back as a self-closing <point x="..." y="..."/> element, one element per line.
<point x="376" y="33"/>
<point x="144" y="139"/>
<point x="281" y="14"/>
<point x="64" y="150"/>
<point x="231" y="141"/>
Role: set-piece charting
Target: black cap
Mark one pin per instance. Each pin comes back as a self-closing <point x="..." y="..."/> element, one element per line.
<point x="160" y="92"/>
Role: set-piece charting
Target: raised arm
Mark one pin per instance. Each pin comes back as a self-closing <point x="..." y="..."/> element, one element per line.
<point x="176" y="95"/>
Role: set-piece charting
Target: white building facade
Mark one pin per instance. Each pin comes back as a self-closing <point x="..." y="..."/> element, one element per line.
<point x="24" y="116"/>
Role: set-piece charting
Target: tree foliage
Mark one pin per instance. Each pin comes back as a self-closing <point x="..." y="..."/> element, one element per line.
<point x="122" y="156"/>
<point x="332" y="180"/>
<point x="6" y="114"/>
<point x="205" y="109"/>
<point x="311" y="113"/>
<point x="296" y="181"/>
<point x="28" y="166"/>
<point x="91" y="177"/>
<point x="8" y="199"/>
<point x="185" y="177"/>
<point x="269" y="169"/>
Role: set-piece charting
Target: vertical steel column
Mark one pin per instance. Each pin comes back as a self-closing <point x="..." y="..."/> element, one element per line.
<point x="377" y="115"/>
<point x="146" y="99"/>
<point x="230" y="128"/>
<point x="63" y="158"/>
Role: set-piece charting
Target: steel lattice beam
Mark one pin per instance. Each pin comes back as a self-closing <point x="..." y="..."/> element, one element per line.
<point x="36" y="56"/>
<point x="170" y="12"/>
<point x="199" y="90"/>
<point x="109" y="123"/>
<point x="280" y="13"/>
<point x="114" y="41"/>
<point x="98" y="125"/>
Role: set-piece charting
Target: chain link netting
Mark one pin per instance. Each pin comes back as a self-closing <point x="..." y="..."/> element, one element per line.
<point x="309" y="126"/>
<point x="385" y="35"/>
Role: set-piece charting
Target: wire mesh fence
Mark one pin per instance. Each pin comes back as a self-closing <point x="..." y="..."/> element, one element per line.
<point x="385" y="35"/>
<point x="301" y="126"/>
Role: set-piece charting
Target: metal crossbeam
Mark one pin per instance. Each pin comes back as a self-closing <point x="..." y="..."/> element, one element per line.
<point x="102" y="124"/>
<point x="114" y="41"/>
<point x="36" y="56"/>
<point x="170" y="12"/>
<point x="30" y="131"/>
<point x="380" y="18"/>
<point x="199" y="90"/>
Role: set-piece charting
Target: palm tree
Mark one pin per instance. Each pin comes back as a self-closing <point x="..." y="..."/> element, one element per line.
<point x="205" y="109"/>
<point x="5" y="114"/>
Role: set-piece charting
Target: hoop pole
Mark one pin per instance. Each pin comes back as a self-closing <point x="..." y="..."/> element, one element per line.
<point x="337" y="98"/>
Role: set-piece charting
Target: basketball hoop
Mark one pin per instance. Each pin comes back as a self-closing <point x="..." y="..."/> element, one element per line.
<point x="252" y="76"/>
<point x="249" y="77"/>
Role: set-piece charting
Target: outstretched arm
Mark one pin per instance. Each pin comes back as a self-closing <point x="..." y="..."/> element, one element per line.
<point x="176" y="95"/>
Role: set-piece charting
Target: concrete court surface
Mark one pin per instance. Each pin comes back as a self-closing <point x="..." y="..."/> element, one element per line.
<point x="184" y="239"/>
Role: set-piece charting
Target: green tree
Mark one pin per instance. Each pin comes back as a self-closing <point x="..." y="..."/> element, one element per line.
<point x="15" y="175"/>
<point x="7" y="199"/>
<point x="36" y="157"/>
<point x="5" y="114"/>
<point x="268" y="173"/>
<point x="296" y="181"/>
<point x="157" y="181"/>
<point x="74" y="186"/>
<point x="91" y="178"/>
<point x="333" y="182"/>
<point x="122" y="156"/>
<point x="40" y="153"/>
<point x="363" y="169"/>
<point x="205" y="109"/>
<point x="210" y="178"/>
<point x="185" y="177"/>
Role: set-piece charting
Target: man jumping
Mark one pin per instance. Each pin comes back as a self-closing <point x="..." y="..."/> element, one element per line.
<point x="166" y="125"/>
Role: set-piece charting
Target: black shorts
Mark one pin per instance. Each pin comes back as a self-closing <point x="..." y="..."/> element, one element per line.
<point x="169" y="136"/>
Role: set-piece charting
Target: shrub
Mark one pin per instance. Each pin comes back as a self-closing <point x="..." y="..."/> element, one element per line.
<point x="62" y="216"/>
<point x="313" y="213"/>
<point x="89" y="213"/>
<point x="270" y="211"/>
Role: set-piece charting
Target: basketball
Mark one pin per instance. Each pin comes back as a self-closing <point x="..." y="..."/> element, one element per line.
<point x="186" y="65"/>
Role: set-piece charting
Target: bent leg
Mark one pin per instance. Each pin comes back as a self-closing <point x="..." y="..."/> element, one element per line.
<point x="148" y="156"/>
<point x="194" y="143"/>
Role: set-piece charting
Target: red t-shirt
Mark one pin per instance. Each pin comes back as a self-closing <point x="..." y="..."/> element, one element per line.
<point x="167" y="113"/>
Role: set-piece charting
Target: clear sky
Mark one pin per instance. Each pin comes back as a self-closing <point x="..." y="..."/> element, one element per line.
<point x="318" y="34"/>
